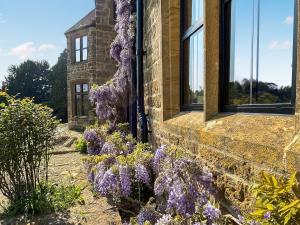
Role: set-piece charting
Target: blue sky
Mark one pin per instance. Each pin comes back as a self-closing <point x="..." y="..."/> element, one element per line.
<point x="276" y="40"/>
<point x="34" y="29"/>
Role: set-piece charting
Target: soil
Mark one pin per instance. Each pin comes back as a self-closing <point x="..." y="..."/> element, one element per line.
<point x="66" y="166"/>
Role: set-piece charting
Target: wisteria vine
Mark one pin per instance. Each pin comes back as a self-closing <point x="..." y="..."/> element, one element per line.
<point x="109" y="98"/>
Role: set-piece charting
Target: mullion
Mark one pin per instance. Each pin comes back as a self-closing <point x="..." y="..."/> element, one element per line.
<point x="81" y="51"/>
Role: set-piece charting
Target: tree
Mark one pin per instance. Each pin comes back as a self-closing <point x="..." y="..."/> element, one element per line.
<point x="58" y="87"/>
<point x="29" y="79"/>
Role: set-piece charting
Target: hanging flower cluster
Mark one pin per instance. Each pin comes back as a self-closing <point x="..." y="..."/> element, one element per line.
<point x="117" y="165"/>
<point x="109" y="98"/>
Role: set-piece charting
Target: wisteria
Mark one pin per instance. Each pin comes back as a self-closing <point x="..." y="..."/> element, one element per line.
<point x="125" y="180"/>
<point x="141" y="174"/>
<point x="110" y="97"/>
<point x="211" y="213"/>
<point x="107" y="184"/>
<point x="147" y="215"/>
<point x="165" y="220"/>
<point x="159" y="156"/>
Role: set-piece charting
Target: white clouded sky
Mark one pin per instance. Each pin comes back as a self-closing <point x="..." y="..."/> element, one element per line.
<point x="34" y="29"/>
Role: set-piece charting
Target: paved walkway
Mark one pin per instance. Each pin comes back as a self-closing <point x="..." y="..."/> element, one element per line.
<point x="67" y="165"/>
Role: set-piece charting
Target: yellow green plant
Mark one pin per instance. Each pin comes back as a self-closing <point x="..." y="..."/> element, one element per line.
<point x="277" y="200"/>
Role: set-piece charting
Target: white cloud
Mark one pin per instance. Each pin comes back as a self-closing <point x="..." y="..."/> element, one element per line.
<point x="279" y="45"/>
<point x="1" y="51"/>
<point x="289" y="20"/>
<point x="29" y="50"/>
<point x="24" y="51"/>
<point x="45" y="47"/>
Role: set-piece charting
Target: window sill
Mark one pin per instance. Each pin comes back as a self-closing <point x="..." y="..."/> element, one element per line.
<point x="79" y="63"/>
<point x="261" y="139"/>
<point x="187" y="120"/>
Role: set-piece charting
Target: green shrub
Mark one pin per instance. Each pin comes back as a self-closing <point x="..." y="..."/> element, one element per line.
<point x="48" y="198"/>
<point x="81" y="146"/>
<point x="277" y="200"/>
<point x="27" y="135"/>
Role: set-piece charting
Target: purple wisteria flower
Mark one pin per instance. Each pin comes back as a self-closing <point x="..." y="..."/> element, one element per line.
<point x="159" y="156"/>
<point x="125" y="180"/>
<point x="146" y="215"/>
<point x="165" y="220"/>
<point x="179" y="201"/>
<point x="241" y="219"/>
<point x="211" y="213"/>
<point x="107" y="184"/>
<point x="109" y="97"/>
<point x="267" y="215"/>
<point x="141" y="174"/>
<point x="109" y="148"/>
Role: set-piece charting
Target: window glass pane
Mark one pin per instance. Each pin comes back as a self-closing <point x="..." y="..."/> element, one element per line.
<point x="84" y="42"/>
<point x="275" y="52"/>
<point x="86" y="105"/>
<point x="85" y="88"/>
<point x="78" y="88"/>
<point x="84" y="54"/>
<point x="77" y="43"/>
<point x="261" y="39"/>
<point x="193" y="10"/>
<point x="78" y="105"/>
<point x="240" y="51"/>
<point x="193" y="69"/>
<point x="78" y="56"/>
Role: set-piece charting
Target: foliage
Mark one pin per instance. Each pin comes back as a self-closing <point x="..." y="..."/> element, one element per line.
<point x="81" y="146"/>
<point x="47" y="198"/>
<point x="58" y="87"/>
<point x="27" y="136"/>
<point x="267" y="93"/>
<point x="277" y="200"/>
<point x="3" y="99"/>
<point x="29" y="79"/>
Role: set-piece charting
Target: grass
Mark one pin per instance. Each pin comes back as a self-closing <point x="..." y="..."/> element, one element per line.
<point x="46" y="199"/>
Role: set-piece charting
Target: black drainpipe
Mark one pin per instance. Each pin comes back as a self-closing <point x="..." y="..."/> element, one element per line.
<point x="139" y="70"/>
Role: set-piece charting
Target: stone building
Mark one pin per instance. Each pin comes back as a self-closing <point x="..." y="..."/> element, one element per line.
<point x="222" y="80"/>
<point x="89" y="62"/>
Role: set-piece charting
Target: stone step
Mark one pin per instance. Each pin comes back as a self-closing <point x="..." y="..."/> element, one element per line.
<point x="70" y="142"/>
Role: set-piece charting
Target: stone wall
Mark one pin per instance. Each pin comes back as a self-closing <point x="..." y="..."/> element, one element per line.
<point x="99" y="67"/>
<point x="105" y="34"/>
<point x="82" y="72"/>
<point x="236" y="146"/>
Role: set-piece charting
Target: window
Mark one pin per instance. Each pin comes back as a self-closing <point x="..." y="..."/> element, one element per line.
<point x="81" y="49"/>
<point x="82" y="102"/>
<point x="258" y="56"/>
<point x="192" y="55"/>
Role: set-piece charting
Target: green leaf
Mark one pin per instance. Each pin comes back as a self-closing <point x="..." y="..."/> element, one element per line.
<point x="287" y="218"/>
<point x="274" y="181"/>
<point x="270" y="207"/>
<point x="259" y="212"/>
<point x="294" y="203"/>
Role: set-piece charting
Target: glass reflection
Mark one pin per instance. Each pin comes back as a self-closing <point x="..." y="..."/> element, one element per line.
<point x="194" y="12"/>
<point x="261" y="52"/>
<point x="193" y="69"/>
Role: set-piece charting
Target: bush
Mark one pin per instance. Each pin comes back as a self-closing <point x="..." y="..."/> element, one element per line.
<point x="27" y="136"/>
<point x="81" y="146"/>
<point x="48" y="198"/>
<point x="277" y="200"/>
